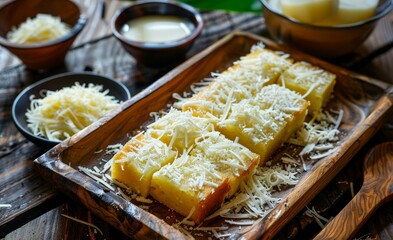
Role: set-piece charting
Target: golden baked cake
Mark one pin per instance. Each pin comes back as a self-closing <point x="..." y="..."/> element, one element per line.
<point x="232" y="160"/>
<point x="191" y="186"/>
<point x="260" y="68"/>
<point x="243" y="80"/>
<point x="192" y="160"/>
<point x="264" y="123"/>
<point x="179" y="129"/>
<point x="136" y="162"/>
<point x="314" y="83"/>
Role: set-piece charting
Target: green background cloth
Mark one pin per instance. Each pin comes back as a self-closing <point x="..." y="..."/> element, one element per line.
<point x="253" y="6"/>
<point x="228" y="5"/>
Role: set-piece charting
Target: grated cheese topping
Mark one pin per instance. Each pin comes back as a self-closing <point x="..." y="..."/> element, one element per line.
<point x="242" y="81"/>
<point x="263" y="116"/>
<point x="179" y="129"/>
<point x="305" y="74"/>
<point x="193" y="174"/>
<point x="217" y="98"/>
<point x="60" y="114"/>
<point x="266" y="66"/>
<point x="277" y="97"/>
<point x="144" y="153"/>
<point x="228" y="157"/>
<point x="42" y="28"/>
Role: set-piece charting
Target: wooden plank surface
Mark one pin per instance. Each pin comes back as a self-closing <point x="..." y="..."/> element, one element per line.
<point x="365" y="109"/>
<point x="31" y="196"/>
<point x="105" y="56"/>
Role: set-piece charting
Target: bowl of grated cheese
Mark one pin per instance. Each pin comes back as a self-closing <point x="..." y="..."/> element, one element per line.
<point x="57" y="107"/>
<point x="40" y="32"/>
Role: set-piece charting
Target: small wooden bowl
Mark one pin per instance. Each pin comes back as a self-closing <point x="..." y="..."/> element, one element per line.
<point x="22" y="101"/>
<point x="321" y="41"/>
<point x="41" y="55"/>
<point x="157" y="54"/>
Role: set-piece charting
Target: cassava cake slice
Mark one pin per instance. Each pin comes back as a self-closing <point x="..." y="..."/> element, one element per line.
<point x="260" y="68"/>
<point x="179" y="129"/>
<point x="231" y="159"/>
<point x="136" y="162"/>
<point x="265" y="122"/>
<point x="243" y="80"/>
<point x="191" y="186"/>
<point x="311" y="81"/>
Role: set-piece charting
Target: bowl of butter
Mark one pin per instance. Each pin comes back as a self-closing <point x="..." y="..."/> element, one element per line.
<point x="323" y="28"/>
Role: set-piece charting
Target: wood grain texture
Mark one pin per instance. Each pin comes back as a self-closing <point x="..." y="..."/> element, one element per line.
<point x="377" y="189"/>
<point x="53" y="225"/>
<point x="105" y="56"/>
<point x="21" y="186"/>
<point x="366" y="108"/>
<point x="321" y="174"/>
<point x="382" y="34"/>
<point x="130" y="219"/>
<point x="14" y="149"/>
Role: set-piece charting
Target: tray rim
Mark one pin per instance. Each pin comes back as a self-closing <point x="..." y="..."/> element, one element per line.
<point x="45" y="161"/>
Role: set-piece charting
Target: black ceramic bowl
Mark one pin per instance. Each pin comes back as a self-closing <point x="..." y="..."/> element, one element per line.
<point x="57" y="82"/>
<point x="157" y="54"/>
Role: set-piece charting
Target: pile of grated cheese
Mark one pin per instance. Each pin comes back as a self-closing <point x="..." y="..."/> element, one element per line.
<point x="42" y="28"/>
<point x="61" y="114"/>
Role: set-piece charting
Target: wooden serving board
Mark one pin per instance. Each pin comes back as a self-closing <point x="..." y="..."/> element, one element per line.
<point x="366" y="102"/>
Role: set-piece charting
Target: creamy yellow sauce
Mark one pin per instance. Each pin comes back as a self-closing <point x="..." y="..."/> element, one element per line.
<point x="326" y="12"/>
<point x="309" y="11"/>
<point x="352" y="11"/>
<point x="157" y="29"/>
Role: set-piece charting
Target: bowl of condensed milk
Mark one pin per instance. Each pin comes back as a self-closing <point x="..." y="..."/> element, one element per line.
<point x="324" y="28"/>
<point x="157" y="32"/>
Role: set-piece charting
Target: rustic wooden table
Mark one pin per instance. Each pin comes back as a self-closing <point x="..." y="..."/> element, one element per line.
<point x="36" y="208"/>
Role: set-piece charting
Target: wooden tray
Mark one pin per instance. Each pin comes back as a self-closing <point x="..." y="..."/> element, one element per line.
<point x="366" y="102"/>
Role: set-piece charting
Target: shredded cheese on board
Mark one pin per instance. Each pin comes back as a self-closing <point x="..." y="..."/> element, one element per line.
<point x="260" y="191"/>
<point x="42" y="28"/>
<point x="255" y="197"/>
<point x="60" y="114"/>
<point x="317" y="136"/>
